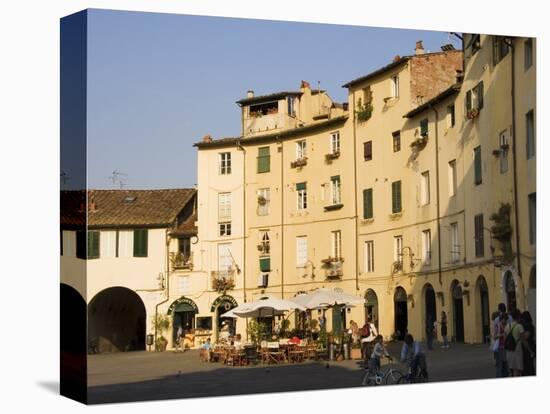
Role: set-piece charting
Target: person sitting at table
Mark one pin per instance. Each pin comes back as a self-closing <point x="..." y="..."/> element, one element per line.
<point x="237" y="343"/>
<point x="294" y="340"/>
<point x="189" y="340"/>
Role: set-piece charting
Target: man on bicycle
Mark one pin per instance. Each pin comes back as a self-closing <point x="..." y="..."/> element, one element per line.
<point x="412" y="354"/>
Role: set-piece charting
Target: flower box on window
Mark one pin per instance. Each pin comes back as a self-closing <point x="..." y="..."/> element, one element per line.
<point x="472" y="113"/>
<point x="262" y="201"/>
<point x="332" y="156"/>
<point x="419" y="143"/>
<point x="300" y="162"/>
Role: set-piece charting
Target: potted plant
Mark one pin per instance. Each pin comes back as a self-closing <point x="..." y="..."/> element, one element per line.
<point x="161" y="344"/>
<point x="472" y="113"/>
<point x="262" y="201"/>
<point x="332" y="156"/>
<point x="364" y="112"/>
<point x="160" y="323"/>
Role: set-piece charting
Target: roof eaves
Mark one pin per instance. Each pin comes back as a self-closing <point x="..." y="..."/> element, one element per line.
<point x="377" y="72"/>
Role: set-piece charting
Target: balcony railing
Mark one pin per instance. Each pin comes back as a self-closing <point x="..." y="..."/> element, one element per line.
<point x="223" y="280"/>
<point x="181" y="261"/>
<point x="333" y="267"/>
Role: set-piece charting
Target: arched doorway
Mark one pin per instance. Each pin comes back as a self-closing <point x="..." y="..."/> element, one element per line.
<point x="400" y="313"/>
<point x="116" y="321"/>
<point x="220" y="306"/>
<point x="484" y="320"/>
<point x="73" y="344"/>
<point x="510" y="291"/>
<point x="458" y="311"/>
<point x="430" y="309"/>
<point x="371" y="307"/>
<point x="183" y="313"/>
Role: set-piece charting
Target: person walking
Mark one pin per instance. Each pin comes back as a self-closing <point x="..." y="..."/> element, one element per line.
<point x="528" y="344"/>
<point x="498" y="346"/>
<point x="354" y="330"/>
<point x="513" y="344"/>
<point x="368" y="334"/>
<point x="443" y="324"/>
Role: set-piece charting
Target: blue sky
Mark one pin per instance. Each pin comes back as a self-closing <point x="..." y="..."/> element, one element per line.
<point x="158" y="82"/>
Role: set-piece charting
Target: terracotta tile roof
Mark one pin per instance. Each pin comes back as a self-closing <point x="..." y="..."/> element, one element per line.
<point x="124" y="207"/>
<point x="453" y="89"/>
<point x="187" y="227"/>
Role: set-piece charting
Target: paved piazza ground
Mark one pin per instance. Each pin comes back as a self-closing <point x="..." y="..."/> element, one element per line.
<point x="139" y="376"/>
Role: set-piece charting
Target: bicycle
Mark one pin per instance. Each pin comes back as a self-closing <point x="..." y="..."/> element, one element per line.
<point x="420" y="377"/>
<point x="389" y="376"/>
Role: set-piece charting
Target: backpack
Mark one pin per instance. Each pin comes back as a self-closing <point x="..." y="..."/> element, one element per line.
<point x="509" y="341"/>
<point x="365" y="330"/>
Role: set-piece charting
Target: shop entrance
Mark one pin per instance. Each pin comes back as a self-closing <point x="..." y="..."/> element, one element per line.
<point x="183" y="313"/>
<point x="400" y="313"/>
<point x="371" y="307"/>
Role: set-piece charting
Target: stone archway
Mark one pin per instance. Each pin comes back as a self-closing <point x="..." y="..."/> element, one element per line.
<point x="116" y="321"/>
<point x="482" y="302"/>
<point x="400" y="313"/>
<point x="371" y="307"/>
<point x="183" y="311"/>
<point x="457" y="309"/>
<point x="221" y="305"/>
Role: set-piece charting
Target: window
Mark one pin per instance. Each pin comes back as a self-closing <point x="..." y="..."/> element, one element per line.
<point x="336" y="196"/>
<point x="224" y="206"/>
<point x="204" y="323"/>
<point x="477" y="166"/>
<point x="301" y="196"/>
<point x="69" y="243"/>
<point x="225" y="229"/>
<point x="425" y="188"/>
<point x="264" y="245"/>
<point x="427" y="246"/>
<point x="140" y="242"/>
<point x="337" y="244"/>
<point x="468" y="101"/>
<point x="477" y="96"/>
<point x="263" y="201"/>
<point x="300" y="149"/>
<point x="396" y="141"/>
<point x="452" y="178"/>
<point x="500" y="48"/>
<point x="368" y="212"/>
<point x="81" y="244"/>
<point x="367" y="150"/>
<point x="398" y="249"/>
<point x="450" y="116"/>
<point x="263" y="280"/>
<point x="125" y="243"/>
<point x="335" y="143"/>
<point x="395" y="86"/>
<point x="263" y="160"/>
<point x="475" y="43"/>
<point x="530" y="133"/>
<point x="225" y="260"/>
<point x="301" y="251"/>
<point x="290" y="105"/>
<point x="478" y="232"/>
<point x="93" y="245"/>
<point x="528" y="53"/>
<point x="108" y="244"/>
<point x="455" y="246"/>
<point x="532" y="218"/>
<point x="183" y="284"/>
<point x="369" y="256"/>
<point x="396" y="197"/>
<point x="424" y="127"/>
<point x="184" y="247"/>
<point x="503" y="151"/>
<point x="225" y="163"/>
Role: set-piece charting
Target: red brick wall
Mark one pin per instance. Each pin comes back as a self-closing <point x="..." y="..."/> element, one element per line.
<point x="433" y="73"/>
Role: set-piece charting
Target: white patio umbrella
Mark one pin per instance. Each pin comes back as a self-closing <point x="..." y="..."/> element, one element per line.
<point x="265" y="306"/>
<point x="326" y="298"/>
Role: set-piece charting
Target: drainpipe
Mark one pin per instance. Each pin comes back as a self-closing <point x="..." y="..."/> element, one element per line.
<point x="518" y="253"/>
<point x="437" y="194"/>
<point x="355" y="196"/>
<point x="241" y="148"/>
<point x="167" y="282"/>
<point x="282" y="223"/>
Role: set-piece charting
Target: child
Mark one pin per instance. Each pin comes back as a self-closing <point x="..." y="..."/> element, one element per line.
<point x="205" y="351"/>
<point x="378" y="351"/>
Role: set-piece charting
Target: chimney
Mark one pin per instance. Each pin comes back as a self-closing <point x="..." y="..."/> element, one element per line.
<point x="305" y="85"/>
<point x="419" y="49"/>
<point x="92" y="205"/>
<point x="207" y="138"/>
<point x="459" y="76"/>
<point x="396" y="58"/>
<point x="250" y="94"/>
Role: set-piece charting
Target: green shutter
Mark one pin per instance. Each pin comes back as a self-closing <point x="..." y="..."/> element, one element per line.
<point x="367" y="204"/>
<point x="480" y="95"/>
<point x="477" y="166"/>
<point x="265" y="264"/>
<point x="337" y="327"/>
<point x="140" y="242"/>
<point x="300" y="186"/>
<point x="263" y="160"/>
<point x="396" y="197"/>
<point x="81" y="244"/>
<point x="424" y="127"/>
<point x="468" y="102"/>
<point x="93" y="244"/>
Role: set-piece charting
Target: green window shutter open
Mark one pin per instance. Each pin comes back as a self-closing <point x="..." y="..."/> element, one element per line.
<point x="263" y="159"/>
<point x="424" y="127"/>
<point x="367" y="203"/>
<point x="479" y="95"/>
<point x="468" y="101"/>
<point x="265" y="264"/>
<point x="93" y="244"/>
<point x="140" y="242"/>
<point x="396" y="196"/>
<point x="477" y="166"/>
